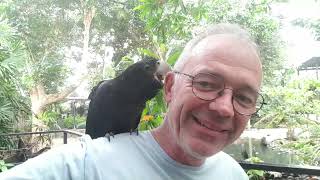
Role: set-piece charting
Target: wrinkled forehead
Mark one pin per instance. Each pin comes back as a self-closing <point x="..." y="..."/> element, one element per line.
<point x="229" y="56"/>
<point x="224" y="44"/>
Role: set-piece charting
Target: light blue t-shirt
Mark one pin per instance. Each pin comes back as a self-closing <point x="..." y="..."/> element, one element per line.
<point x="124" y="157"/>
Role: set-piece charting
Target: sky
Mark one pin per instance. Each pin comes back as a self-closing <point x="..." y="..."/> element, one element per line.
<point x="300" y="42"/>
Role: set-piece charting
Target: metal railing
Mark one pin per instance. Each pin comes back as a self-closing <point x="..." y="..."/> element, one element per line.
<point x="308" y="170"/>
<point x="65" y="134"/>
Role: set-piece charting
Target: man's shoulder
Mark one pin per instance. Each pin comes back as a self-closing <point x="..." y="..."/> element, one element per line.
<point x="226" y="162"/>
<point x="223" y="158"/>
<point x="119" y="144"/>
<point x="118" y="138"/>
<point x="105" y="158"/>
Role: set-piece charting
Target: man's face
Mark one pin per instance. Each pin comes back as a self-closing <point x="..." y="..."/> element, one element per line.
<point x="203" y="128"/>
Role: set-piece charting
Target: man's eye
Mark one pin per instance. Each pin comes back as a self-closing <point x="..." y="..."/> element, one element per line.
<point x="205" y="86"/>
<point x="245" y="100"/>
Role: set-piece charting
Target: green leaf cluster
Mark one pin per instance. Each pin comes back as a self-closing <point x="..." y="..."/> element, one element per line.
<point x="289" y="106"/>
<point x="253" y="173"/>
<point x="5" y="166"/>
<point x="13" y="106"/>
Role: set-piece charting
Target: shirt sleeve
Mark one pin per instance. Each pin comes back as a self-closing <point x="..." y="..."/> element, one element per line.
<point x="63" y="163"/>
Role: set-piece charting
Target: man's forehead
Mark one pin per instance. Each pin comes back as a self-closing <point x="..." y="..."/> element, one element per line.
<point x="227" y="48"/>
<point x="218" y="41"/>
<point x="229" y="57"/>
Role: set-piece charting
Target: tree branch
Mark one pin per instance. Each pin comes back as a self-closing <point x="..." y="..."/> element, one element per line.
<point x="52" y="98"/>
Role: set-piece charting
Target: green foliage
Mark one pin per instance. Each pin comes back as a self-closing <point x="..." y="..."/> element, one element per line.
<point x="152" y="116"/>
<point x="306" y="150"/>
<point x="13" y="106"/>
<point x="50" y="119"/>
<point x="173" y="56"/>
<point x="289" y="106"/>
<point x="123" y="65"/>
<point x="147" y="52"/>
<point x="158" y="28"/>
<point x="45" y="28"/>
<point x="169" y="24"/>
<point x="313" y="24"/>
<point x="254" y="159"/>
<point x="53" y="118"/>
<point x="71" y="122"/>
<point x="4" y="166"/>
<point x="172" y="23"/>
<point x="165" y="23"/>
<point x="253" y="173"/>
<point x="50" y="72"/>
<point x="118" y="26"/>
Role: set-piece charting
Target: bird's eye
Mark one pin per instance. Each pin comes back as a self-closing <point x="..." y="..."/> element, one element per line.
<point x="158" y="62"/>
<point x="146" y="67"/>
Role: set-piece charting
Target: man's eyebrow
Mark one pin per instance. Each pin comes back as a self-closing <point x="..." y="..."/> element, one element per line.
<point x="205" y="71"/>
<point x="248" y="87"/>
<point x="243" y="86"/>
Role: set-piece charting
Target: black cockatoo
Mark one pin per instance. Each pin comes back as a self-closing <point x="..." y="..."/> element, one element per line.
<point x="116" y="105"/>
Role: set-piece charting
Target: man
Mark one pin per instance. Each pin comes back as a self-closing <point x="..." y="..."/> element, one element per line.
<point x="211" y="94"/>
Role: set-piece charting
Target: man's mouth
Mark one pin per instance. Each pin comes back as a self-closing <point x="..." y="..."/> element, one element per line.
<point x="207" y="126"/>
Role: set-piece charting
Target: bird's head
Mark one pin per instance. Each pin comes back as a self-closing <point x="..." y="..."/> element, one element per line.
<point x="147" y="75"/>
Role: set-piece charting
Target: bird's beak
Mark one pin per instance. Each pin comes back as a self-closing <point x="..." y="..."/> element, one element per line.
<point x="162" y="69"/>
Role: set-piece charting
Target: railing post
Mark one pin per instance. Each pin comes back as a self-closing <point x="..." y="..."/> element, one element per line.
<point x="65" y="137"/>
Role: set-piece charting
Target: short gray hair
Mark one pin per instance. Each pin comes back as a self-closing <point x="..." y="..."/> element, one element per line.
<point x="222" y="28"/>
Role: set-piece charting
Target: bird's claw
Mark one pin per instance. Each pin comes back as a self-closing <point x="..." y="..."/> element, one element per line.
<point x="108" y="135"/>
<point x="134" y="130"/>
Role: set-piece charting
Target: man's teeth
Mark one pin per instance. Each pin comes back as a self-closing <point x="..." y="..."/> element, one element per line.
<point x="201" y="123"/>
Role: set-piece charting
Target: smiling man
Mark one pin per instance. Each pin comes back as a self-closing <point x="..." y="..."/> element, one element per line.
<point x="211" y="94"/>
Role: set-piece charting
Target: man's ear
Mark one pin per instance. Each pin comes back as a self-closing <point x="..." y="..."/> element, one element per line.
<point x="168" y="86"/>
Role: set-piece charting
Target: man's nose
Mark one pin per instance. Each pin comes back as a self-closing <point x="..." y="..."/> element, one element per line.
<point x="223" y="104"/>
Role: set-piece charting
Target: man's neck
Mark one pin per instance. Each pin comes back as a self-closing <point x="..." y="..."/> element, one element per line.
<point x="167" y="141"/>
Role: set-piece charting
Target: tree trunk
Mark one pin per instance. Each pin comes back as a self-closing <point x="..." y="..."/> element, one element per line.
<point x="40" y="100"/>
<point x="88" y="15"/>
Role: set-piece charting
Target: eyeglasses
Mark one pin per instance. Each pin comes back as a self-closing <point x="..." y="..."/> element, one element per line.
<point x="208" y="87"/>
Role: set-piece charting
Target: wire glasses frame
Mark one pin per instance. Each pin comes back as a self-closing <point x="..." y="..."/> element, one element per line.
<point x="208" y="87"/>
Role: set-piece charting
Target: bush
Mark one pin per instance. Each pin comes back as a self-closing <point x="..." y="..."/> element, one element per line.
<point x="74" y="122"/>
<point x="50" y="119"/>
<point x="290" y="105"/>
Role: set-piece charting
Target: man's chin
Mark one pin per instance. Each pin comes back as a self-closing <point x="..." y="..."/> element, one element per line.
<point x="202" y="149"/>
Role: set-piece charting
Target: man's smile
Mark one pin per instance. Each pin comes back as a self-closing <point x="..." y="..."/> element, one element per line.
<point x="209" y="126"/>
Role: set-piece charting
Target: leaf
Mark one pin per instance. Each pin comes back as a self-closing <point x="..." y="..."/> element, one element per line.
<point x="172" y="58"/>
<point x="148" y="53"/>
<point x="4" y="168"/>
<point x="138" y="8"/>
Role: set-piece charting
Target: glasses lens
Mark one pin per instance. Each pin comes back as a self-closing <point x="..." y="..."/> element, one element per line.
<point x="247" y="102"/>
<point x="207" y="86"/>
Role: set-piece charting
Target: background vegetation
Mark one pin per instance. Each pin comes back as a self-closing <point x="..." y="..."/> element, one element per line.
<point x="48" y="47"/>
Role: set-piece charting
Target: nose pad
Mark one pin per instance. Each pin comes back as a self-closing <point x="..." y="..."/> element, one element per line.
<point x="223" y="104"/>
<point x="222" y="92"/>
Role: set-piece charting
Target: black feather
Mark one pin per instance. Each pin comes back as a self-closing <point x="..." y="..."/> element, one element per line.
<point x="116" y="105"/>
